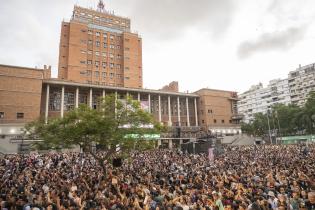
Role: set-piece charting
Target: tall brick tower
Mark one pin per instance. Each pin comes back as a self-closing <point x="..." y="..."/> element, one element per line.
<point x="98" y="47"/>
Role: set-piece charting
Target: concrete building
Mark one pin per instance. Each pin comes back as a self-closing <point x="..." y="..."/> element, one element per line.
<point x="98" y="47"/>
<point x="218" y="111"/>
<point x="259" y="99"/>
<point x="301" y="83"/>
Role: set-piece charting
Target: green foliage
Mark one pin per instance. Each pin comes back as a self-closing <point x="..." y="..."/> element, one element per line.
<point x="285" y="119"/>
<point x="107" y="126"/>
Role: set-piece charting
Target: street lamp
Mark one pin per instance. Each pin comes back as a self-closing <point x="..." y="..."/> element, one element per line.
<point x="269" y="126"/>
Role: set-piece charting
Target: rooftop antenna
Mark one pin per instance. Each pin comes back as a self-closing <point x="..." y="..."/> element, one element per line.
<point x="101" y="6"/>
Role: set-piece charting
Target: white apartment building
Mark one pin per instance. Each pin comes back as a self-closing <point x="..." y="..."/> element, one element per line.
<point x="259" y="99"/>
<point x="301" y="83"/>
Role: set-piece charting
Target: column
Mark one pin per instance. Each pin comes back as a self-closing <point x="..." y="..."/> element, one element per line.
<point x="187" y="109"/>
<point x="62" y="101"/>
<point x="139" y="97"/>
<point x="116" y="95"/>
<point x="196" y="114"/>
<point x="170" y="144"/>
<point x="77" y="97"/>
<point x="160" y="113"/>
<point x="159" y="142"/>
<point x="127" y="94"/>
<point x="91" y="98"/>
<point x="178" y="111"/>
<point x="169" y="111"/>
<point x="103" y="95"/>
<point x="47" y="104"/>
<point x="149" y="99"/>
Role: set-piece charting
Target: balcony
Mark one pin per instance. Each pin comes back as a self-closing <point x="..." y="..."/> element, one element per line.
<point x="237" y="116"/>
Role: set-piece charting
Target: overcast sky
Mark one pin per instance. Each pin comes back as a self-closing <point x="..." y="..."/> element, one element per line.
<point x="219" y="44"/>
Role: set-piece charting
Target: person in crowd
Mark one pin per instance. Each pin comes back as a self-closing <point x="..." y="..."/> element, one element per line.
<point x="259" y="178"/>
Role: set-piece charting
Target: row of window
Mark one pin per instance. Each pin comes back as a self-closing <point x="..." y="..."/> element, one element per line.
<point x="215" y="121"/>
<point x="103" y="83"/>
<point x="104" y="64"/>
<point x="104" y="54"/>
<point x="105" y="45"/>
<point x="19" y="115"/>
<point x="97" y="74"/>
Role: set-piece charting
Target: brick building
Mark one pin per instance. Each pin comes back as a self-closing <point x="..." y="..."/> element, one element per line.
<point x="99" y="55"/>
<point x="217" y="111"/>
<point x="97" y="47"/>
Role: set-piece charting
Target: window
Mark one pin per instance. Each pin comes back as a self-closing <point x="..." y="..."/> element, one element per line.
<point x="88" y="72"/>
<point x="209" y="111"/>
<point x="96" y="73"/>
<point x="97" y="53"/>
<point x="112" y="46"/>
<point x="105" y="36"/>
<point x="90" y="42"/>
<point x="127" y="48"/>
<point x="104" y="64"/>
<point x="97" y="43"/>
<point x="104" y="74"/>
<point x="104" y="45"/>
<point x="83" y="72"/>
<point x="215" y="121"/>
<point x="97" y="63"/>
<point x="89" y="62"/>
<point x="83" y="51"/>
<point x="90" y="52"/>
<point x="222" y="121"/>
<point x="111" y="65"/>
<point x="118" y="66"/>
<point x="20" y="115"/>
<point x="1" y="115"/>
<point x="90" y="32"/>
<point x="82" y="62"/>
<point x="111" y="74"/>
<point x="104" y="54"/>
<point x="230" y="121"/>
<point x="97" y="33"/>
<point x="127" y="68"/>
<point x="118" y="46"/>
<point x="203" y="122"/>
<point x="127" y="78"/>
<point x="111" y="55"/>
<point x="111" y="37"/>
<point x="118" y="56"/>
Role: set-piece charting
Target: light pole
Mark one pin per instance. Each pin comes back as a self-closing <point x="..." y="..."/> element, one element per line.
<point x="269" y="126"/>
<point x="279" y="129"/>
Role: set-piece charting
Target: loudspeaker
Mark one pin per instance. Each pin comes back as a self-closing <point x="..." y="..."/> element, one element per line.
<point x="117" y="162"/>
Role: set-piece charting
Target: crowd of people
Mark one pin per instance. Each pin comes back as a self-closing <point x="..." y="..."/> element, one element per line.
<point x="247" y="177"/>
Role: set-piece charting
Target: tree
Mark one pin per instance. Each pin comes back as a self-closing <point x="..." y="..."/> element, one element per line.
<point x="116" y="126"/>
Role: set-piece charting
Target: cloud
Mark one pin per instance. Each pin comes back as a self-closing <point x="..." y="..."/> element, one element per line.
<point x="165" y="19"/>
<point x="276" y="41"/>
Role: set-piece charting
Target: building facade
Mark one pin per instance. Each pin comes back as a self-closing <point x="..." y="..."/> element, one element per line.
<point x="301" y="83"/>
<point x="28" y="94"/>
<point x="218" y="111"/>
<point x="259" y="99"/>
<point x="98" y="47"/>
